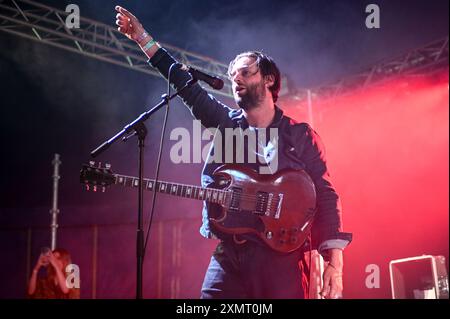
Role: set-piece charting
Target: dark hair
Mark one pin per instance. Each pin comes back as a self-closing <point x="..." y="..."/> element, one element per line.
<point x="266" y="65"/>
<point x="64" y="256"/>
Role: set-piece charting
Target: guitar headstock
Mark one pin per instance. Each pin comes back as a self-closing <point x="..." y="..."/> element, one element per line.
<point x="93" y="175"/>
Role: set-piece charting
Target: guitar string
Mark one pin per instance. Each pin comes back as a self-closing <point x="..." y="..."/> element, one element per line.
<point x="132" y="179"/>
<point x="243" y="198"/>
<point x="247" y="197"/>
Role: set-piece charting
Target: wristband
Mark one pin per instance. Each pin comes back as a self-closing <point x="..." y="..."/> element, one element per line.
<point x="141" y="37"/>
<point x="149" y="44"/>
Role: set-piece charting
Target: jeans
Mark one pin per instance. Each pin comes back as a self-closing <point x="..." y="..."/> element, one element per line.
<point x="253" y="271"/>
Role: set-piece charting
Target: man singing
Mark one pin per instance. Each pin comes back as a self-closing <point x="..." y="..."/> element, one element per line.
<point x="246" y="267"/>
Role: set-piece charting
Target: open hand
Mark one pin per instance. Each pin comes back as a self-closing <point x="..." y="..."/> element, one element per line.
<point x="128" y="24"/>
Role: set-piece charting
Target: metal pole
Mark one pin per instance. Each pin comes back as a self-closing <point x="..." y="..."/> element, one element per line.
<point x="55" y="211"/>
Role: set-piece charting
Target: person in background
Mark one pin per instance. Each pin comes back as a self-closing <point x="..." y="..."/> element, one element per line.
<point x="54" y="284"/>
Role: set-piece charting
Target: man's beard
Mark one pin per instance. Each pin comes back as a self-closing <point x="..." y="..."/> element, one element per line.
<point x="253" y="96"/>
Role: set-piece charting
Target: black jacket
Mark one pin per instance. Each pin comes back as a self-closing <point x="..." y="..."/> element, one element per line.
<point x="299" y="147"/>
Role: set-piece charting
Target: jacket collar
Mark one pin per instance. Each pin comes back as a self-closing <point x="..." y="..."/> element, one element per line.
<point x="242" y="121"/>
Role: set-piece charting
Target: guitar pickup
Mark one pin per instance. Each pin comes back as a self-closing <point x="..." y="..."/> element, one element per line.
<point x="235" y="201"/>
<point x="261" y="203"/>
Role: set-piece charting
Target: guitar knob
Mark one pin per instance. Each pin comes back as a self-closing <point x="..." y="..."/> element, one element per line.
<point x="294" y="229"/>
<point x="282" y="231"/>
<point x="269" y="235"/>
<point x="282" y="241"/>
<point x="293" y="240"/>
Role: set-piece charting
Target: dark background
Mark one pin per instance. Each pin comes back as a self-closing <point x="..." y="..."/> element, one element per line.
<point x="54" y="101"/>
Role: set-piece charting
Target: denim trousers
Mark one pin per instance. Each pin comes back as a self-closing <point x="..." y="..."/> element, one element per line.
<point x="254" y="271"/>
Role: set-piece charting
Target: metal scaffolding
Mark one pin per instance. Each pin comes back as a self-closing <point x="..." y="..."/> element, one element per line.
<point x="96" y="40"/>
<point x="425" y="60"/>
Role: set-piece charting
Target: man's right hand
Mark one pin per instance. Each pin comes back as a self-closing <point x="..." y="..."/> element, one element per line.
<point x="129" y="25"/>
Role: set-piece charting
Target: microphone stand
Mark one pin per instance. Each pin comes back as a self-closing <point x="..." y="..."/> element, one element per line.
<point x="138" y="128"/>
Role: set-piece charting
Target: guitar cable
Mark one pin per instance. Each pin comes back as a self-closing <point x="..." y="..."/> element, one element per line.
<point x="310" y="263"/>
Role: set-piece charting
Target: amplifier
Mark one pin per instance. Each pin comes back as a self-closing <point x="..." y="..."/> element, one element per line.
<point x="421" y="277"/>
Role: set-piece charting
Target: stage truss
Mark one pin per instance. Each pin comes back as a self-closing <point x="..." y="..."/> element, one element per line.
<point x="97" y="40"/>
<point x="38" y="22"/>
<point x="426" y="60"/>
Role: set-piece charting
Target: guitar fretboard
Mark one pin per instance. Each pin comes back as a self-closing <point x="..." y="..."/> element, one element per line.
<point x="188" y="191"/>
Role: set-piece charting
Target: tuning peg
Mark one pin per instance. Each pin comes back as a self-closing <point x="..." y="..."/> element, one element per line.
<point x="91" y="163"/>
<point x="95" y="188"/>
<point x="87" y="187"/>
<point x="99" y="164"/>
<point x="108" y="166"/>
<point x="103" y="189"/>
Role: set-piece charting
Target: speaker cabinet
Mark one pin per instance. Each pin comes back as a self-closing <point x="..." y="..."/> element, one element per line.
<point x="421" y="277"/>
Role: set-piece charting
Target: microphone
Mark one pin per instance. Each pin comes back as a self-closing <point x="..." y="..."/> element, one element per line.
<point x="213" y="81"/>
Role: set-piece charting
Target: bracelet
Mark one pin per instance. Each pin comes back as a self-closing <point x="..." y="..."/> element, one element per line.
<point x="149" y="44"/>
<point x="142" y="37"/>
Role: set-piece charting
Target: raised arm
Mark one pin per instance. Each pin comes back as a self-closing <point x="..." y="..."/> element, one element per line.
<point x="59" y="272"/>
<point x="203" y="106"/>
<point x="43" y="260"/>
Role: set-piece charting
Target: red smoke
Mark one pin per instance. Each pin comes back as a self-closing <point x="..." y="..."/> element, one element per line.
<point x="388" y="154"/>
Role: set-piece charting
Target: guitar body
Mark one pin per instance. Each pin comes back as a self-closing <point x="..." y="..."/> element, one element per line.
<point x="278" y="208"/>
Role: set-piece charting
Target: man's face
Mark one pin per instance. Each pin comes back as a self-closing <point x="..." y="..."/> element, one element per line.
<point x="247" y="83"/>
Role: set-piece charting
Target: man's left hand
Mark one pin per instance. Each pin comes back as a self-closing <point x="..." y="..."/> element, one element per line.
<point x="332" y="276"/>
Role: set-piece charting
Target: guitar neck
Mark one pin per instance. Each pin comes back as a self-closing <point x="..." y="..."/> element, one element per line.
<point x="181" y="190"/>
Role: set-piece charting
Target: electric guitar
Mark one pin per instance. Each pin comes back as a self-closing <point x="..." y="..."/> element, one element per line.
<point x="278" y="208"/>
